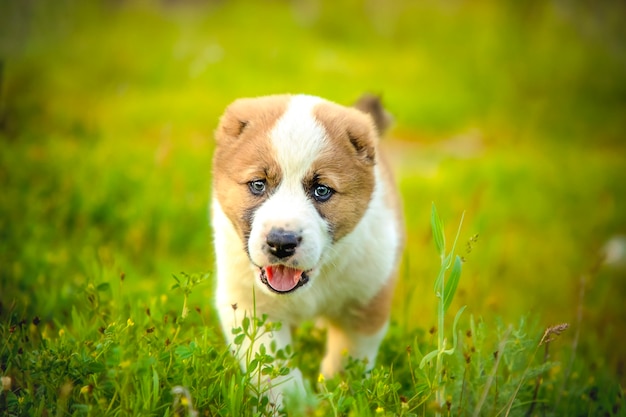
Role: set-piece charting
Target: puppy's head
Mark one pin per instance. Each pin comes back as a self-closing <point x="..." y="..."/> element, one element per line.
<point x="294" y="175"/>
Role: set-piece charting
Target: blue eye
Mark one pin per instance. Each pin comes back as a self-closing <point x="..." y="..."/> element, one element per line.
<point x="322" y="193"/>
<point x="257" y="187"/>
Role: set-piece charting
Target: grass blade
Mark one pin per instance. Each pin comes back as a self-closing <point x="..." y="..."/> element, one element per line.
<point x="456" y="239"/>
<point x="451" y="284"/>
<point x="454" y="331"/>
<point x="438" y="235"/>
<point x="437" y="287"/>
<point x="428" y="358"/>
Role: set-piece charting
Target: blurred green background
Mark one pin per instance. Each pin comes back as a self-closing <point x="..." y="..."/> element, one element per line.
<point x="514" y="112"/>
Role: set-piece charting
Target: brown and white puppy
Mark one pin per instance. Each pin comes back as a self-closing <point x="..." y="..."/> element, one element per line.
<point x="307" y="223"/>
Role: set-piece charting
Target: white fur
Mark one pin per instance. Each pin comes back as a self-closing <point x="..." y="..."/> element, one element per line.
<point x="345" y="270"/>
<point x="289" y="207"/>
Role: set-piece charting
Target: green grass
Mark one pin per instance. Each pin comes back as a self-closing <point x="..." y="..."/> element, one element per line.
<point x="509" y="112"/>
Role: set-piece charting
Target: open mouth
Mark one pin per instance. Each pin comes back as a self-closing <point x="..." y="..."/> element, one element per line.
<point x="282" y="279"/>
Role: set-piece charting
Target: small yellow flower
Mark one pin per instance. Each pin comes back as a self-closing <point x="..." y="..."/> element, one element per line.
<point x="86" y="390"/>
<point x="380" y="410"/>
<point x="130" y="322"/>
<point x="61" y="332"/>
<point x="6" y="383"/>
<point x="45" y="333"/>
<point x="321" y="379"/>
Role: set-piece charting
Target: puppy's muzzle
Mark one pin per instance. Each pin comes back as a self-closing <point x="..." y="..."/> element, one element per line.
<point x="282" y="243"/>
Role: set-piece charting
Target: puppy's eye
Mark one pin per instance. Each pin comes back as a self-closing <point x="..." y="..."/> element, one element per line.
<point x="322" y="193"/>
<point x="257" y="187"/>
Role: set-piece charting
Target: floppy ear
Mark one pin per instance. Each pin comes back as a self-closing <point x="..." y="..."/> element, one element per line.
<point x="362" y="136"/>
<point x="347" y="122"/>
<point x="250" y="115"/>
<point x="372" y="105"/>
<point x="234" y="120"/>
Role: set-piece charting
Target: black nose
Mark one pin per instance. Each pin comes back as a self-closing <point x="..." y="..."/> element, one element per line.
<point x="282" y="243"/>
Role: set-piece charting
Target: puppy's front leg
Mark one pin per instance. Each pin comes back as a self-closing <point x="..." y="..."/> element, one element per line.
<point x="343" y="342"/>
<point x="358" y="333"/>
<point x="246" y="351"/>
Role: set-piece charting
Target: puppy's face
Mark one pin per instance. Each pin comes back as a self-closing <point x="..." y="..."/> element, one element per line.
<point x="294" y="174"/>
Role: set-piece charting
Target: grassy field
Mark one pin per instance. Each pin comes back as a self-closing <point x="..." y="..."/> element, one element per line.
<point x="511" y="112"/>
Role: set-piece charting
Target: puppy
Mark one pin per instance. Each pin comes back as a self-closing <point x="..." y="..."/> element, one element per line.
<point x="307" y="224"/>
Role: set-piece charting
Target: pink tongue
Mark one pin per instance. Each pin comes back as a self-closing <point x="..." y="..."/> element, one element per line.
<point x="282" y="278"/>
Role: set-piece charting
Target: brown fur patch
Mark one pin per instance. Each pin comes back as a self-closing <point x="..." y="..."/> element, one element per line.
<point x="346" y="165"/>
<point x="243" y="154"/>
<point x="370" y="316"/>
<point x="343" y="122"/>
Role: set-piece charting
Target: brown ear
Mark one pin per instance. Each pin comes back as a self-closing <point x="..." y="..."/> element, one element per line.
<point x="362" y="137"/>
<point x="340" y="121"/>
<point x="372" y="105"/>
<point x="234" y="120"/>
<point x="257" y="115"/>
